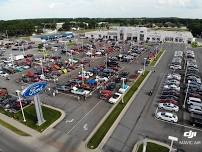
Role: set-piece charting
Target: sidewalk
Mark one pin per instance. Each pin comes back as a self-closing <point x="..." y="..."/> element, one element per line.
<point x="28" y="130"/>
<point x="136" y="146"/>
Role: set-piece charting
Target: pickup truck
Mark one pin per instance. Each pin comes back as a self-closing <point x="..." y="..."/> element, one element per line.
<point x="78" y="91"/>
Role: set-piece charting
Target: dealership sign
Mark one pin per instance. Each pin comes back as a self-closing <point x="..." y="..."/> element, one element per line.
<point x="34" y="89"/>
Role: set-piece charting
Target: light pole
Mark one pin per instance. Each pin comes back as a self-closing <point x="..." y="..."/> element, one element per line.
<point x="186" y="93"/>
<point x="12" y="60"/>
<point x="172" y="140"/>
<point x="123" y="86"/>
<point x="20" y="100"/>
<point x="106" y="61"/>
<point x="42" y="72"/>
<point x="23" y="49"/>
<point x="145" y="59"/>
<point x="82" y="74"/>
<point x="144" y="145"/>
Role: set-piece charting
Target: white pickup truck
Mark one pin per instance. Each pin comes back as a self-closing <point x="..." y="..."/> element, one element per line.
<point x="78" y="91"/>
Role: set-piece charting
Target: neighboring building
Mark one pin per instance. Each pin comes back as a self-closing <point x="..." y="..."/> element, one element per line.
<point x="142" y="34"/>
<point x="56" y="36"/>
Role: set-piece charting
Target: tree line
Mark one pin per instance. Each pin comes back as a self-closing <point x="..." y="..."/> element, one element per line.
<point x="30" y="26"/>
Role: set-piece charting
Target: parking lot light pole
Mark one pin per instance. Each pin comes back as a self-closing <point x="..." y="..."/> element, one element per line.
<point x="145" y="59"/>
<point x="12" y="59"/>
<point x="82" y="73"/>
<point x="123" y="79"/>
<point x="42" y="72"/>
<point x="20" y="100"/>
<point x="172" y="141"/>
<point x="23" y="49"/>
<point x="186" y="93"/>
<point x="106" y="60"/>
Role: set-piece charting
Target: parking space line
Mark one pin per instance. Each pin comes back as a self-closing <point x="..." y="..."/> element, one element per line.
<point x="83" y="117"/>
<point x="177" y="124"/>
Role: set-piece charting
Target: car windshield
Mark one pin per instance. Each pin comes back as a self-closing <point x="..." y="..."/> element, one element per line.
<point x="115" y="96"/>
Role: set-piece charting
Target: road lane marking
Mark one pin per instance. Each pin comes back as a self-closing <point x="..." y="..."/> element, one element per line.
<point x="83" y="117"/>
<point x="181" y="125"/>
<point x="85" y="127"/>
<point x="69" y="121"/>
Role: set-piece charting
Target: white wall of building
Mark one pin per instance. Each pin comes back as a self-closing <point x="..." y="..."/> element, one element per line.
<point x="142" y="34"/>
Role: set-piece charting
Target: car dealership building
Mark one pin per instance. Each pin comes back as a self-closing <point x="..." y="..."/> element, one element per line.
<point x="139" y="34"/>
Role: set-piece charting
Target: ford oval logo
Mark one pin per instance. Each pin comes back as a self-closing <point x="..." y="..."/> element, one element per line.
<point x="34" y="89"/>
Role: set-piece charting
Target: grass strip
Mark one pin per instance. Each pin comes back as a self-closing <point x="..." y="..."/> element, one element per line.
<point x="50" y="115"/>
<point x="152" y="147"/>
<point x="153" y="63"/>
<point x="13" y="129"/>
<point x="104" y="128"/>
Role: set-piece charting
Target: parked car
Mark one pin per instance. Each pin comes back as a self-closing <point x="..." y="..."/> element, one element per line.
<point x="195" y="109"/>
<point x="167" y="116"/>
<point x="171" y="87"/>
<point x="115" y="98"/>
<point x="168" y="106"/>
<point x="194" y="101"/>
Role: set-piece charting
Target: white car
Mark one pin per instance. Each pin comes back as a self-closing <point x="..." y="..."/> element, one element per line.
<point x="172" y="87"/>
<point x="176" y="67"/>
<point x="101" y="79"/>
<point x="195" y="109"/>
<point x="3" y="74"/>
<point x="140" y="71"/>
<point x="167" y="116"/>
<point x="194" y="101"/>
<point x="122" y="90"/>
<point x="174" y="76"/>
<point x="115" y="98"/>
<point x="173" y="81"/>
<point x="168" y="106"/>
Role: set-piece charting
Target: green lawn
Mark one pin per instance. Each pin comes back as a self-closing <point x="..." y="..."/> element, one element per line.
<point x="104" y="128"/>
<point x="12" y="128"/>
<point x="156" y="58"/>
<point x="50" y="116"/>
<point x="151" y="147"/>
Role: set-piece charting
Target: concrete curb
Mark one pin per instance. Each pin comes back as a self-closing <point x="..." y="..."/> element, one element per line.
<point x="109" y="133"/>
<point x="27" y="129"/>
<point x="99" y="148"/>
<point x="19" y="125"/>
<point x="47" y="130"/>
<point x="136" y="146"/>
<point x="159" y="58"/>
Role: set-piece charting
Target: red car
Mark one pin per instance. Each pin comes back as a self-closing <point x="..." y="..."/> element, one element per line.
<point x="169" y="101"/>
<point x="106" y="94"/>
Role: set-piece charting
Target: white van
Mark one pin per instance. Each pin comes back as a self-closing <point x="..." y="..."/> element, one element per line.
<point x="194" y="101"/>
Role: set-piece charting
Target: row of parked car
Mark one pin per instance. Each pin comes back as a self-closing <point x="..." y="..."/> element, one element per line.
<point x="177" y="61"/>
<point x="11" y="103"/>
<point x="193" y="88"/>
<point x="168" y="105"/>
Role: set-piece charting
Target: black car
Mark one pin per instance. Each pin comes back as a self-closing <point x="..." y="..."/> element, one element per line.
<point x="63" y="88"/>
<point x="169" y="97"/>
<point x="171" y="93"/>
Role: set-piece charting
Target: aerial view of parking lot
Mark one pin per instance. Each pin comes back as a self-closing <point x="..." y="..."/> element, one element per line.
<point x="100" y="76"/>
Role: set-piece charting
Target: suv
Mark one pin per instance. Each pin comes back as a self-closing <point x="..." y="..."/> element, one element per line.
<point x="194" y="101"/>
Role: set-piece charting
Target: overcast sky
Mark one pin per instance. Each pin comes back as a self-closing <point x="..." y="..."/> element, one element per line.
<point x="20" y="9"/>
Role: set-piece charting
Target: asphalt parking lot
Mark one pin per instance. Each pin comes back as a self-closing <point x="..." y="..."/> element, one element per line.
<point x="81" y="116"/>
<point x="139" y="121"/>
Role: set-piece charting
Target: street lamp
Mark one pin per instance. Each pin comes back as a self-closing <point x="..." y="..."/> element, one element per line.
<point x="123" y="86"/>
<point x="20" y="100"/>
<point x="82" y="74"/>
<point x="186" y="93"/>
<point x="42" y="72"/>
<point x="145" y="59"/>
<point x="12" y="60"/>
<point x="172" y="140"/>
<point x="106" y="60"/>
